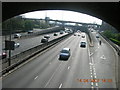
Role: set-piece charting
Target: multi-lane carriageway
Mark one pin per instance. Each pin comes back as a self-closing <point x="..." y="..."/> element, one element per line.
<point x="29" y="42"/>
<point x="83" y="66"/>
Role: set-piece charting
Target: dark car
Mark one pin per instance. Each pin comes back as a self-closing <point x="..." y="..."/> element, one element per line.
<point x="78" y="34"/>
<point x="83" y="44"/>
<point x="44" y="40"/>
<point x="55" y="34"/>
<point x="64" y="54"/>
<point x="61" y="32"/>
<point x="3" y="55"/>
<point x="29" y="32"/>
<point x="83" y="36"/>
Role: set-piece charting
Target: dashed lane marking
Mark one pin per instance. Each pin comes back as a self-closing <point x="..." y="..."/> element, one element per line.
<point x="69" y="67"/>
<point x="95" y="77"/>
<point x="60" y="85"/>
<point x="96" y="84"/>
<point x="92" y="83"/>
<point x="91" y="76"/>
<point x="36" y="77"/>
<point x="52" y="76"/>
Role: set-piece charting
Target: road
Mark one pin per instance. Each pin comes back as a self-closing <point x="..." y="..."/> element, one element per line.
<point x="104" y="63"/>
<point x="46" y="71"/>
<point x="27" y="43"/>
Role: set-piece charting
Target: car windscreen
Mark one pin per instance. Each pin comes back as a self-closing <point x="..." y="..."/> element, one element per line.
<point x="83" y="43"/>
<point x="64" y="51"/>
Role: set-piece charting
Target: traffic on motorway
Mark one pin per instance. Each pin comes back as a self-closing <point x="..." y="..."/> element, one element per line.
<point x="72" y="63"/>
<point x="27" y="43"/>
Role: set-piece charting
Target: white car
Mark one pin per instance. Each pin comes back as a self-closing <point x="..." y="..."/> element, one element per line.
<point x="44" y="40"/>
<point x="17" y="36"/>
<point x="64" y="54"/>
<point x="29" y="32"/>
<point x="17" y="45"/>
<point x="3" y="55"/>
<point x="47" y="36"/>
<point x="97" y="36"/>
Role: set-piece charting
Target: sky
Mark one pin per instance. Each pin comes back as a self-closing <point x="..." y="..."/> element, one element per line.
<point x="63" y="15"/>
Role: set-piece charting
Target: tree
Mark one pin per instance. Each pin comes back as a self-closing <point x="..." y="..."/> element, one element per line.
<point x="28" y="25"/>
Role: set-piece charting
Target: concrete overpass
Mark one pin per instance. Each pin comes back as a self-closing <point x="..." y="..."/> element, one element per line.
<point x="64" y="23"/>
<point x="106" y="11"/>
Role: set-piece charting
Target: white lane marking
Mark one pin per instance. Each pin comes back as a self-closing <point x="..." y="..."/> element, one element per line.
<point x="69" y="67"/>
<point x="90" y="67"/>
<point x="94" y="73"/>
<point x="36" y="77"/>
<point x="98" y="47"/>
<point x="92" y="60"/>
<point x="60" y="85"/>
<point x="92" y="83"/>
<point x="95" y="77"/>
<point x="98" y="44"/>
<point x="50" y="63"/>
<point x="52" y="76"/>
<point x="94" y="70"/>
<point x="103" y="57"/>
<point x="96" y="84"/>
<point x="91" y="76"/>
<point x="91" y="54"/>
<point x="90" y="63"/>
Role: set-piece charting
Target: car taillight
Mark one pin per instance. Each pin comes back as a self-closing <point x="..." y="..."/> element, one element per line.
<point x="4" y="53"/>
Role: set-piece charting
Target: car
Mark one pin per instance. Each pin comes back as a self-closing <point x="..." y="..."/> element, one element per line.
<point x="3" y="55"/>
<point x="17" y="45"/>
<point x="17" y="36"/>
<point x="97" y="36"/>
<point x="44" y="40"/>
<point x="75" y="34"/>
<point x="61" y="32"/>
<point x="78" y="34"/>
<point x="64" y="54"/>
<point x="55" y="34"/>
<point x="83" y="36"/>
<point x="82" y="44"/>
<point x="47" y="36"/>
<point x="29" y="32"/>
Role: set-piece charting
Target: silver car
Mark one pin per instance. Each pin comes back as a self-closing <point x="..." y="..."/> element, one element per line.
<point x="17" y="36"/>
<point x="64" y="54"/>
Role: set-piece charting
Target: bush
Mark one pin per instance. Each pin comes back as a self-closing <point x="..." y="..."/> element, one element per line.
<point x="115" y="41"/>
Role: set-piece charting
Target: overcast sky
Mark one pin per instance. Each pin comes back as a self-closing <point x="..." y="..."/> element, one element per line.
<point x="63" y="15"/>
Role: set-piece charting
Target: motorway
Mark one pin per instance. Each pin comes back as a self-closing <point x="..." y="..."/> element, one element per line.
<point x="30" y="42"/>
<point x="104" y="63"/>
<point x="46" y="71"/>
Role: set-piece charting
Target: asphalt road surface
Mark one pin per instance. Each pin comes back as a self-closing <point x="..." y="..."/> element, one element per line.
<point x="27" y="43"/>
<point x="46" y="71"/>
<point x="103" y="63"/>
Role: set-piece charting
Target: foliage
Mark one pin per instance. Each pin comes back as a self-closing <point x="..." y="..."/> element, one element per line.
<point x="111" y="33"/>
<point x="115" y="41"/>
<point x="18" y="24"/>
<point x="28" y="25"/>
